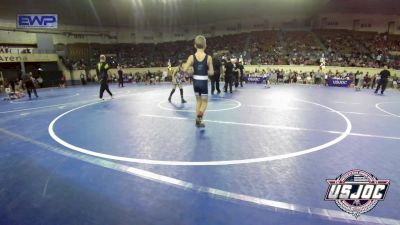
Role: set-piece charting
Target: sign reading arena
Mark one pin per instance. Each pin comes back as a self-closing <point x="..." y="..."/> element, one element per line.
<point x="32" y="21"/>
<point x="10" y="58"/>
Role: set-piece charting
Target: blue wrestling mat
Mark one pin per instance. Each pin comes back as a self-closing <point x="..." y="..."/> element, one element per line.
<point x="263" y="158"/>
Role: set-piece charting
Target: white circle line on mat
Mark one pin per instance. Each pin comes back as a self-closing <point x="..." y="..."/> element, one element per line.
<point x="199" y="163"/>
<point x="238" y="104"/>
<point x="377" y="105"/>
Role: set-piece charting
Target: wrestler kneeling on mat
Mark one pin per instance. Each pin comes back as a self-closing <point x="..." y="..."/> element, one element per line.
<point x="203" y="67"/>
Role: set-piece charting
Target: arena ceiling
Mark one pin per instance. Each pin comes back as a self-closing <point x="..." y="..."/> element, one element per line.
<point x="159" y="13"/>
<point x="134" y="13"/>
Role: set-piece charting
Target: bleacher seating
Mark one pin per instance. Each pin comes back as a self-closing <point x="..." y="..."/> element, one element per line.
<point x="339" y="47"/>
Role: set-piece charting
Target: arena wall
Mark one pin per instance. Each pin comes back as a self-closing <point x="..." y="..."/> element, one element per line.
<point x="108" y="35"/>
<point x="14" y="37"/>
<point x="368" y="23"/>
<point x="76" y="34"/>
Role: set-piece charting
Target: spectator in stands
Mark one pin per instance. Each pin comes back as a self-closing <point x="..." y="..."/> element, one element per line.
<point x="120" y="76"/>
<point x="40" y="81"/>
<point x="12" y="93"/>
<point x="340" y="48"/>
<point x="241" y="72"/>
<point x="367" y="81"/>
<point x="318" y="76"/>
<point x="83" y="80"/>
<point x="62" y="81"/>
<point x="374" y="80"/>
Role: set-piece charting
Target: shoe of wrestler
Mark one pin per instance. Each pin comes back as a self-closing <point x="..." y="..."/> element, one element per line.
<point x="201" y="124"/>
<point x="198" y="121"/>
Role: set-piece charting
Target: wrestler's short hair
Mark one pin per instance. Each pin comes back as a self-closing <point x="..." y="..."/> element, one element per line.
<point x="200" y="42"/>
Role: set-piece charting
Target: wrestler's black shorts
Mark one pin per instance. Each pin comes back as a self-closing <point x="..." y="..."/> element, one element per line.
<point x="200" y="87"/>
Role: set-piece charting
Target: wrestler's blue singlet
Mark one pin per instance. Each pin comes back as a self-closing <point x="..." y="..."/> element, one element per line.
<point x="200" y="76"/>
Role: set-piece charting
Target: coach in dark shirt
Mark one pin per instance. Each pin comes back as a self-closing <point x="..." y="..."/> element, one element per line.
<point x="241" y="73"/>
<point x="229" y="76"/>
<point x="236" y="74"/>
<point x="385" y="74"/>
<point x="217" y="74"/>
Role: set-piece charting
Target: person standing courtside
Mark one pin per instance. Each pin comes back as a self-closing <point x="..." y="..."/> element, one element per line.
<point x="202" y="68"/>
<point x="217" y="75"/>
<point x="241" y="72"/>
<point x="228" y="76"/>
<point x="29" y="85"/>
<point x="236" y="73"/>
<point x="83" y="80"/>
<point x="102" y="74"/>
<point x="385" y="74"/>
<point x="120" y="77"/>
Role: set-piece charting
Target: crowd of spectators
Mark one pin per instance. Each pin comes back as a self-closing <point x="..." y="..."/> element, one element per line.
<point x="147" y="77"/>
<point x="360" y="49"/>
<point x="339" y="48"/>
<point x="320" y="77"/>
<point x="265" y="48"/>
<point x="302" y="48"/>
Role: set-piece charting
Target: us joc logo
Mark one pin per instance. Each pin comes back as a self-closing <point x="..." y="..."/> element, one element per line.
<point x="356" y="191"/>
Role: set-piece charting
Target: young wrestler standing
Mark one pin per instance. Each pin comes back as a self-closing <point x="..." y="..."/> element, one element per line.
<point x="177" y="78"/>
<point x="203" y="67"/>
